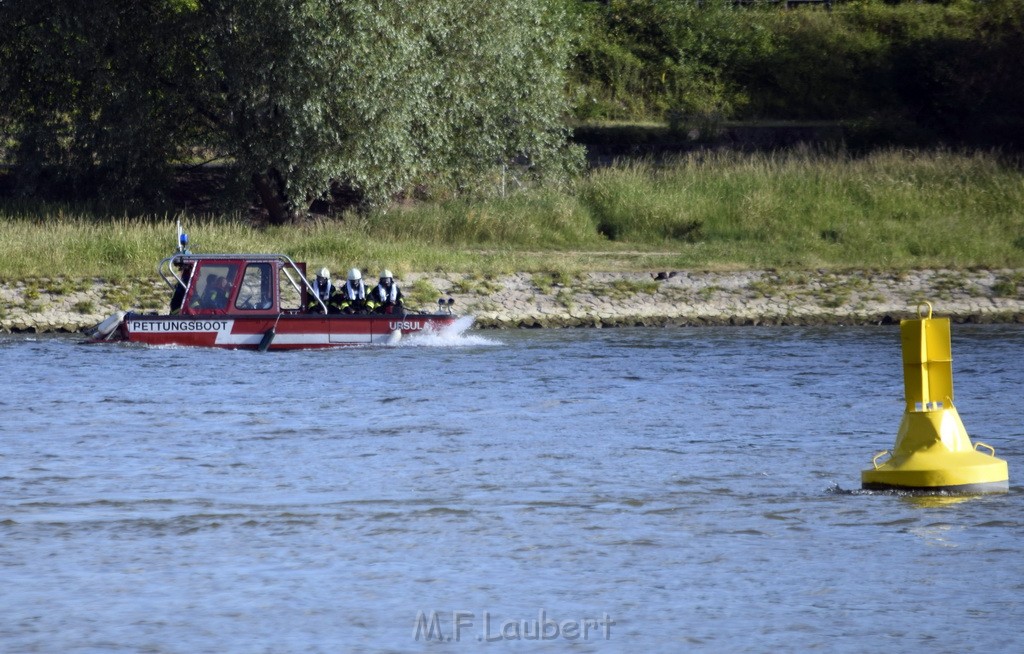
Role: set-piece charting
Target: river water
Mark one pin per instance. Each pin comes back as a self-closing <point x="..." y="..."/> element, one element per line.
<point x="626" y="490"/>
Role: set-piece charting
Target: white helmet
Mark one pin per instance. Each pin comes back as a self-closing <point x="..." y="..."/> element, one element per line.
<point x="385" y="274"/>
<point x="354" y="275"/>
<point x="324" y="273"/>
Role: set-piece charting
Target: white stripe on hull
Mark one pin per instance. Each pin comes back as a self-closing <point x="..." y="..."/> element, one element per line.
<point x="178" y="331"/>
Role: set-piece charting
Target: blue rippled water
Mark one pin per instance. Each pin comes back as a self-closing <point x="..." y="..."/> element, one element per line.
<point x="658" y="490"/>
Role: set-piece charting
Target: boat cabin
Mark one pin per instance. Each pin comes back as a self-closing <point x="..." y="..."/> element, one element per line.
<point x="219" y="284"/>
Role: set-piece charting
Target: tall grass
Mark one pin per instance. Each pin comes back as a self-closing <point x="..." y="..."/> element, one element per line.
<point x="805" y="209"/>
<point x="797" y="210"/>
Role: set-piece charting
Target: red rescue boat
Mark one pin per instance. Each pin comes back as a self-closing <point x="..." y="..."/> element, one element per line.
<point x="259" y="302"/>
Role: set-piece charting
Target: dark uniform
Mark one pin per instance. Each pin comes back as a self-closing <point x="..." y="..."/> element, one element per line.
<point x="385" y="297"/>
<point x="353" y="294"/>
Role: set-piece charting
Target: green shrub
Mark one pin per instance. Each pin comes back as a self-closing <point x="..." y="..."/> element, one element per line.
<point x="422" y="293"/>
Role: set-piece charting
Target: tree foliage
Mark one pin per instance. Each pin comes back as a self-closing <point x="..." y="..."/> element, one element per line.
<point x="380" y="98"/>
<point x="947" y="68"/>
<point x="85" y="91"/>
<point x="377" y="96"/>
<point x="643" y="58"/>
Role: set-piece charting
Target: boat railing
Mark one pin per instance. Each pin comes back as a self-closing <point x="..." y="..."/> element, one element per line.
<point x="166" y="270"/>
<point x="305" y="282"/>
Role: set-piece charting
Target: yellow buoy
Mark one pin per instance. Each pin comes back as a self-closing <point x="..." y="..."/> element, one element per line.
<point x="933" y="450"/>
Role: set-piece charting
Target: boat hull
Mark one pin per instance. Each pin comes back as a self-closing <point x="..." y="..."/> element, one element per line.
<point x="290" y="331"/>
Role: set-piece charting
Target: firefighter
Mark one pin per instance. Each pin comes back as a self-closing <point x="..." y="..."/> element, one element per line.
<point x="322" y="289"/>
<point x="353" y="293"/>
<point x="385" y="297"/>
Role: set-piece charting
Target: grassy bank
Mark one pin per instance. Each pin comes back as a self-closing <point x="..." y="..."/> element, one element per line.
<point x="715" y="211"/>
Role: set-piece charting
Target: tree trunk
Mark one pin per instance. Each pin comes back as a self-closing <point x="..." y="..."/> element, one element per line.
<point x="272" y="196"/>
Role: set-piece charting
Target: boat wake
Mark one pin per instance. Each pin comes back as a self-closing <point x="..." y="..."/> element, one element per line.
<point x="455" y="335"/>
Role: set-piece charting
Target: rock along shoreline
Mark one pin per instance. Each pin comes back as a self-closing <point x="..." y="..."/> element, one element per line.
<point x="669" y="298"/>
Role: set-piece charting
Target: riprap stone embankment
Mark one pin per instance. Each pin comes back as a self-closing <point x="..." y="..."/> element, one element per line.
<point x="607" y="299"/>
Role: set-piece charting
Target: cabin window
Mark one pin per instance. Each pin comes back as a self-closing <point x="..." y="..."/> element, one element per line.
<point x="214" y="287"/>
<point x="257" y="290"/>
<point x="288" y="290"/>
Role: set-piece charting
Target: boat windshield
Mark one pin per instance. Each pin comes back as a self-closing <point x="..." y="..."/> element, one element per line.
<point x="214" y="287"/>
<point x="257" y="289"/>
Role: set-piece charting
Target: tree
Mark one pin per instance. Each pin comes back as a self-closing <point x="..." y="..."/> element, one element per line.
<point x="962" y="80"/>
<point x="376" y="95"/>
<point x="85" y="97"/>
<point x="648" y="58"/>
